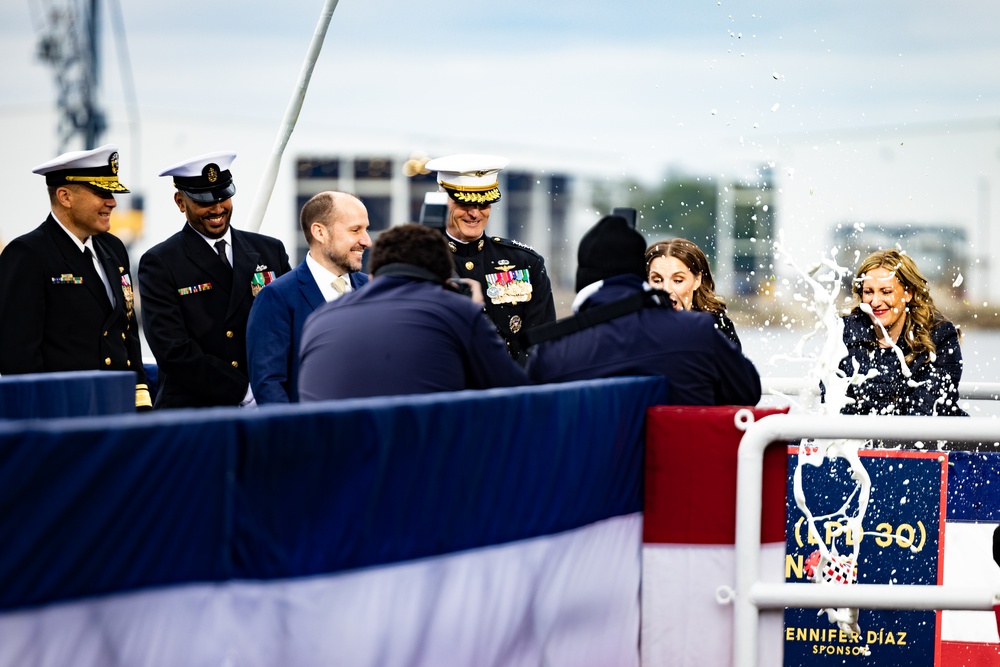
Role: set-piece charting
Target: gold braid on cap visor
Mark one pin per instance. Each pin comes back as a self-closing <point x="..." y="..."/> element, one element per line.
<point x="490" y="193"/>
<point x="110" y="183"/>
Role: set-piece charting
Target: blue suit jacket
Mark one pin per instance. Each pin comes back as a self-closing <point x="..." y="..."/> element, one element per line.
<point x="274" y="332"/>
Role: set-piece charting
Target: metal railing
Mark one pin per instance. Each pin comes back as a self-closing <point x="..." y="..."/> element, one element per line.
<point x="971" y="391"/>
<point x="752" y="594"/>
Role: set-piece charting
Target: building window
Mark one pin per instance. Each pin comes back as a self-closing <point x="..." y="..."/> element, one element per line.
<point x="372" y="168"/>
<point x="316" y="168"/>
<point x="378" y="207"/>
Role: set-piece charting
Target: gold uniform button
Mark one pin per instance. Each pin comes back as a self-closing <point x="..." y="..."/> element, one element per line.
<point x="236" y="364"/>
<point x="107" y="361"/>
<point x="468" y="266"/>
<point x="105" y="333"/>
<point x="230" y="334"/>
<point x="123" y="335"/>
<point x="128" y="362"/>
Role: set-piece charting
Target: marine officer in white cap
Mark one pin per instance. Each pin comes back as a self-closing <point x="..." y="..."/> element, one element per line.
<point x="66" y="287"/>
<point x="197" y="288"/>
<point x="515" y="285"/>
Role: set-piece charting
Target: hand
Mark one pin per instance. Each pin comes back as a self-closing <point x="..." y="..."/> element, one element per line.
<point x="477" y="289"/>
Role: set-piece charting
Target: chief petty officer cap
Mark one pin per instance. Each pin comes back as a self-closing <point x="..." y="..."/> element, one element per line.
<point x="469" y="179"/>
<point x="96" y="168"/>
<point x="206" y="178"/>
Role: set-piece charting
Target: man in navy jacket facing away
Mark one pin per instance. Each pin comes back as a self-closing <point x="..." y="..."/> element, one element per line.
<point x="406" y="332"/>
<point x="702" y="367"/>
<point x="335" y="225"/>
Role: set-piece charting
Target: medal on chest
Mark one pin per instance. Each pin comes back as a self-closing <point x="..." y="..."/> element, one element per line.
<point x="508" y="285"/>
<point x="127" y="294"/>
<point x="261" y="278"/>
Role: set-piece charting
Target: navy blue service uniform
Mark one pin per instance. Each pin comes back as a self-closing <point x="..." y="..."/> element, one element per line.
<point x="195" y="311"/>
<point x="54" y="310"/>
<point x="57" y="313"/>
<point x="196" y="298"/>
<point x="516" y="287"/>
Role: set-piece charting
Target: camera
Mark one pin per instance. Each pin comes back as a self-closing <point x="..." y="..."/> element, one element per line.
<point x="434" y="210"/>
<point x="628" y="213"/>
<point x="458" y="286"/>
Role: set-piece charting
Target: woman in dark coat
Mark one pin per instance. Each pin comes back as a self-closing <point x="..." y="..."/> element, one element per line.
<point x="903" y="356"/>
<point x="680" y="268"/>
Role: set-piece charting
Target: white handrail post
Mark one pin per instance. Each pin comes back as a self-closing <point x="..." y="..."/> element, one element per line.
<point x="270" y="175"/>
<point x="749" y="502"/>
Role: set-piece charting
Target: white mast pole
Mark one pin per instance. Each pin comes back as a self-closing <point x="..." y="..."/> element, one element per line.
<point x="267" y="181"/>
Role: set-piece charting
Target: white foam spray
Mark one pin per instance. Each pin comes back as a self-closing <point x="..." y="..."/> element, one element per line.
<point x="827" y="566"/>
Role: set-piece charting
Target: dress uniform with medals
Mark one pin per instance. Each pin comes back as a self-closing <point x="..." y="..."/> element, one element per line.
<point x="196" y="292"/>
<point x="66" y="302"/>
<point x="515" y="285"/>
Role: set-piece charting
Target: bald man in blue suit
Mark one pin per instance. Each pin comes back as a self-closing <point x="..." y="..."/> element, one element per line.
<point x="335" y="225"/>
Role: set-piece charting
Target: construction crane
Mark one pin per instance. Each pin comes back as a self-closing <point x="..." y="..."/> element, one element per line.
<point x="69" y="42"/>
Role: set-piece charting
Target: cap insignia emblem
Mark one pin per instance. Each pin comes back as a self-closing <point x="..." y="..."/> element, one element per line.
<point x="212" y="173"/>
<point x="113" y="162"/>
<point x="482" y="173"/>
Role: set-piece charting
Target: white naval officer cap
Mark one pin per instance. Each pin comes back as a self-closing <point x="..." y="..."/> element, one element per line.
<point x="96" y="168"/>
<point x="206" y="178"/>
<point x="469" y="178"/>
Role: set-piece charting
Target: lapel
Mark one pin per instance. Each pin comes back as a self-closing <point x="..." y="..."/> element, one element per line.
<point x="308" y="287"/>
<point x="78" y="263"/>
<point x="202" y="255"/>
<point x="111" y="270"/>
<point x="357" y="279"/>
<point x="245" y="261"/>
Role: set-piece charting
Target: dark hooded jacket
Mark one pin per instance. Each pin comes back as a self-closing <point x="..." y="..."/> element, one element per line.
<point x="701" y="365"/>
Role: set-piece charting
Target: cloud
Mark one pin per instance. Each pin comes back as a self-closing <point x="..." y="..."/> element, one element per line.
<point x="618" y="89"/>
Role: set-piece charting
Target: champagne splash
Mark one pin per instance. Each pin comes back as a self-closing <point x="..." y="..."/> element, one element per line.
<point x="827" y="566"/>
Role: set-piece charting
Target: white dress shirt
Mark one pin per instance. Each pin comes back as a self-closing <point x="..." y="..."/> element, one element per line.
<point x="324" y="279"/>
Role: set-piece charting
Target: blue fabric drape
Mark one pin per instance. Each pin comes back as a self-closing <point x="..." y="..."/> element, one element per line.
<point x="67" y="394"/>
<point x="90" y="506"/>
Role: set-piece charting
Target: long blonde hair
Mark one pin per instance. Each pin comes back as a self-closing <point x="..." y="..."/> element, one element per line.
<point x="694" y="259"/>
<point x="921" y="313"/>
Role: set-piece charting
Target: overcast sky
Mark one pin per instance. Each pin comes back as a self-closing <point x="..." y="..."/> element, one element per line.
<point x="626" y="88"/>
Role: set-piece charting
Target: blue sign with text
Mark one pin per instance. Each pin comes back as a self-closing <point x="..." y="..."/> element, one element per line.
<point x="900" y="544"/>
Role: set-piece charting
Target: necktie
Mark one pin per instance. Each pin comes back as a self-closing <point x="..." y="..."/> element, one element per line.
<point x="339" y="284"/>
<point x="220" y="247"/>
<point x="107" y="289"/>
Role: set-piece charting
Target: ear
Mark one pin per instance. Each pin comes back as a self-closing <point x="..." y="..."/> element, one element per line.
<point x="319" y="231"/>
<point x="697" y="282"/>
<point x="179" y="200"/>
<point x="64" y="196"/>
